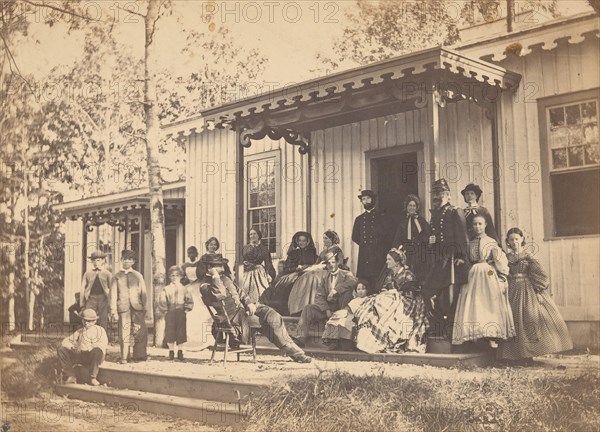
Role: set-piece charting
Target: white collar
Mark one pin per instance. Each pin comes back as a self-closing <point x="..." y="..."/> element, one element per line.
<point x="129" y="270"/>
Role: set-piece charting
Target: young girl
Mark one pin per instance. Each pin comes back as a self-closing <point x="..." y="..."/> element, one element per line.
<point x="482" y="309"/>
<point x="339" y="329"/>
<point x="175" y="301"/>
<point x="538" y="323"/>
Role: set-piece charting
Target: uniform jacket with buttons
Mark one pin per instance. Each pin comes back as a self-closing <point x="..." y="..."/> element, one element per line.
<point x="128" y="290"/>
<point x="88" y="280"/>
<point x="370" y="233"/>
<point x="449" y="228"/>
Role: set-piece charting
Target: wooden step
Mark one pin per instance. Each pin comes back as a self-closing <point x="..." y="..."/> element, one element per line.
<point x="205" y="411"/>
<point x="467" y="360"/>
<point x="174" y="384"/>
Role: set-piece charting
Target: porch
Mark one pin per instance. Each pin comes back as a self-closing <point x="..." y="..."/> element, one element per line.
<point x="118" y="221"/>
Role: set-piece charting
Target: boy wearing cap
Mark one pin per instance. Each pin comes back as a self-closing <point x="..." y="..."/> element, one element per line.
<point x="235" y="301"/>
<point x="87" y="347"/>
<point x="370" y="233"/>
<point x="128" y="303"/>
<point x="175" y="301"/>
<point x="95" y="288"/>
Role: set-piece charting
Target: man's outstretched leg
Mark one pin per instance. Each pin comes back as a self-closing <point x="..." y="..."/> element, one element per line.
<point x="273" y="327"/>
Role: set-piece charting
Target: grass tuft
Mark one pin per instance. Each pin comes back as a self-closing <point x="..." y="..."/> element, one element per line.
<point x="506" y="400"/>
<point x="31" y="375"/>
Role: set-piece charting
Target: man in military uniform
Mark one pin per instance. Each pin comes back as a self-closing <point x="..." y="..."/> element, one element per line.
<point x="371" y="235"/>
<point x="447" y="260"/>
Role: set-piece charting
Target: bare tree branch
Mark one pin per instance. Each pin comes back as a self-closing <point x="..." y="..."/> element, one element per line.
<point x="12" y="62"/>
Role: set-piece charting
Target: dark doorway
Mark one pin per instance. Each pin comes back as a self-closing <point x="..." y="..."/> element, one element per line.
<point x="171" y="246"/>
<point x="394" y="177"/>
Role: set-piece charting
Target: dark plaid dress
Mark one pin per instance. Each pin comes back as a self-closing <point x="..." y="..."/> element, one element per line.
<point x="394" y="320"/>
<point x="539" y="326"/>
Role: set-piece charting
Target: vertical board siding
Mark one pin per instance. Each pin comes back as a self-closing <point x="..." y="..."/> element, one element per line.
<point x="73" y="263"/>
<point x="570" y="262"/>
<point x="210" y="191"/>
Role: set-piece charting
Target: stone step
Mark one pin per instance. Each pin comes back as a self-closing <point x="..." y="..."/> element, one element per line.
<point x="174" y="384"/>
<point x="20" y="345"/>
<point x="467" y="360"/>
<point x="131" y="401"/>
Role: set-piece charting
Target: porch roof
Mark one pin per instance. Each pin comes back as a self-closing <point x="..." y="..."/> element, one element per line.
<point x="434" y="65"/>
<point x="173" y="195"/>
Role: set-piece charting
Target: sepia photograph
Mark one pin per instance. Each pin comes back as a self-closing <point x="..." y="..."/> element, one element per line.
<point x="300" y="215"/>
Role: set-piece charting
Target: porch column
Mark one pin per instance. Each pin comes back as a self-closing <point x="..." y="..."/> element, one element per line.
<point x="239" y="202"/>
<point x="433" y="118"/>
<point x="492" y="112"/>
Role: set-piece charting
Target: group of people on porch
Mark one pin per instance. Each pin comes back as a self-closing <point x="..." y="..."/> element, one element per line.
<point x="448" y="278"/>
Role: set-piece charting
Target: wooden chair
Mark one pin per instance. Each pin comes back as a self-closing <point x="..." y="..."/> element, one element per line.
<point x="223" y="325"/>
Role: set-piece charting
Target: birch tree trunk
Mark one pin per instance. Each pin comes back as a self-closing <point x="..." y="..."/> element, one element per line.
<point x="157" y="216"/>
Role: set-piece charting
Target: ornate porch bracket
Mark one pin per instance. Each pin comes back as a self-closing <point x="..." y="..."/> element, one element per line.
<point x="248" y="134"/>
<point x="96" y="220"/>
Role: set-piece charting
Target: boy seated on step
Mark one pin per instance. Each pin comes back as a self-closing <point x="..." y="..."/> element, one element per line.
<point x="175" y="301"/>
<point x="334" y="293"/>
<point x="340" y="329"/>
<point x="86" y="347"/>
<point x="225" y="297"/>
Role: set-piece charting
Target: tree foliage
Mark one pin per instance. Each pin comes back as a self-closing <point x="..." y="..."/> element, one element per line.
<point x="388" y="28"/>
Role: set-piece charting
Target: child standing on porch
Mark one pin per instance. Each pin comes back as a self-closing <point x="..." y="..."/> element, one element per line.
<point x="175" y="301"/>
<point x="128" y="303"/>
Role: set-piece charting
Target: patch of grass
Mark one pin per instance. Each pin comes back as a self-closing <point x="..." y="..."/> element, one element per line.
<point x="506" y="400"/>
<point x="31" y="375"/>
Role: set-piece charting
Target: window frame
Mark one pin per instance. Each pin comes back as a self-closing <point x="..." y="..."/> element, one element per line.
<point x="254" y="158"/>
<point x="547" y="170"/>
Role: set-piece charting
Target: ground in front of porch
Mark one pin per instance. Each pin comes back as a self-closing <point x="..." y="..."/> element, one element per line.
<point x="391" y="393"/>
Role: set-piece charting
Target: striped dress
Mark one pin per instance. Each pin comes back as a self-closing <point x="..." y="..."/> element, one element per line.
<point x="539" y="326"/>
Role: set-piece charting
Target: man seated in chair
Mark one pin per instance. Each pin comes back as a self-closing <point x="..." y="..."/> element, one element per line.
<point x="333" y="294"/>
<point x="237" y="305"/>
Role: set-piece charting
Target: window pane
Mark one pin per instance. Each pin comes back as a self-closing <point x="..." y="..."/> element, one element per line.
<point x="590" y="131"/>
<point x="576" y="156"/>
<point x="573" y="115"/>
<point x="559" y="159"/>
<point x="575" y="136"/>
<point x="592" y="154"/>
<point x="557" y="118"/>
<point x="569" y="191"/>
<point x="559" y="138"/>
<point x="589" y="112"/>
<point x="253" y="200"/>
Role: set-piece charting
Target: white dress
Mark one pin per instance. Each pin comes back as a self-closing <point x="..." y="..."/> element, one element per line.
<point x="483" y="309"/>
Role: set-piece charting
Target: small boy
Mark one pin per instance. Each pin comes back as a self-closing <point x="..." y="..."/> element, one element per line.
<point x="74" y="310"/>
<point x="175" y="301"/>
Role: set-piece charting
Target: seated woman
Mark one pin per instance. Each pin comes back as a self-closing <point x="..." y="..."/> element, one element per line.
<point x="304" y="288"/>
<point x="258" y="267"/>
<point x="340" y="330"/>
<point x="301" y="255"/>
<point x="395" y="319"/>
<point x="483" y="309"/>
